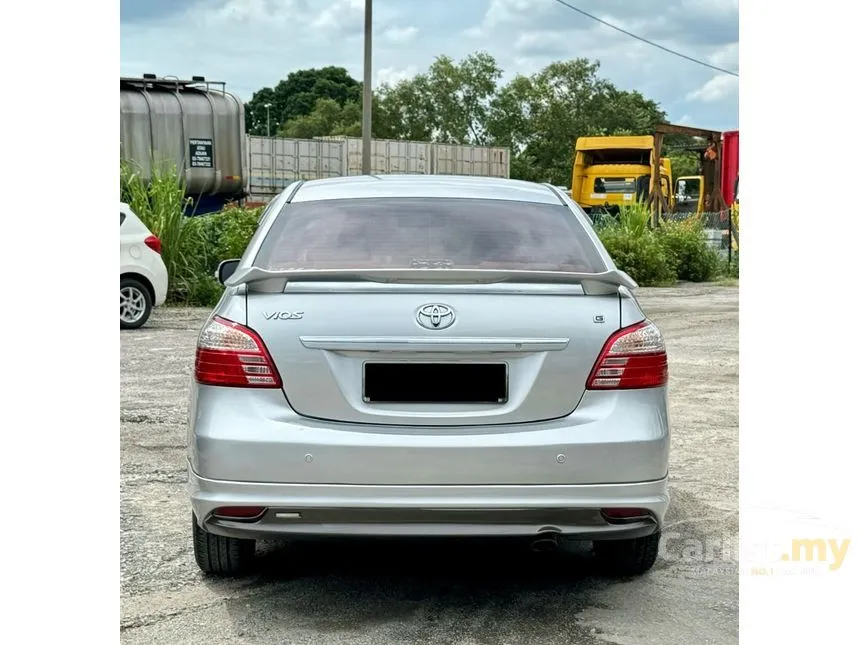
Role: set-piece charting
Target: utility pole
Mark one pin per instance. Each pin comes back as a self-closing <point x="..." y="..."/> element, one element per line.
<point x="367" y="101"/>
<point x="268" y="130"/>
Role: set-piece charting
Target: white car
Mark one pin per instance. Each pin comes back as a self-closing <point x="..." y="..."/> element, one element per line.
<point x="142" y="274"/>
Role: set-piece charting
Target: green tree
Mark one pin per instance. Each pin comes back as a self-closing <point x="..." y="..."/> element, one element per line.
<point x="541" y="116"/>
<point x="404" y="110"/>
<point x="327" y="119"/>
<point x="297" y="96"/>
<point x="450" y="103"/>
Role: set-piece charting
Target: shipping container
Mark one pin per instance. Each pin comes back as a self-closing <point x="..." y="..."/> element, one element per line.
<point x="195" y="126"/>
<point x="393" y="156"/>
<point x="389" y="156"/>
<point x="476" y="161"/>
<point x="274" y="162"/>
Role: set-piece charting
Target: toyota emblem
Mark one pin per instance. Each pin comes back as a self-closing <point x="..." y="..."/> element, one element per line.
<point x="435" y="316"/>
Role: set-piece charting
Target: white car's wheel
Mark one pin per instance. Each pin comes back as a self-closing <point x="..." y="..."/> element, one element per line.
<point x="135" y="303"/>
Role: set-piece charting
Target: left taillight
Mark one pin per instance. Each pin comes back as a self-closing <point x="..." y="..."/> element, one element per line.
<point x="154" y="243"/>
<point x="231" y="355"/>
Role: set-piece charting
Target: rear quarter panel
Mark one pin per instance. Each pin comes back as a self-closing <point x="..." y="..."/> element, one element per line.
<point x="135" y="257"/>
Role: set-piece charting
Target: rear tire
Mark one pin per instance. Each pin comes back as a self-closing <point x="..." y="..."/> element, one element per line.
<point x="219" y="555"/>
<point x="626" y="558"/>
<point x="135" y="303"/>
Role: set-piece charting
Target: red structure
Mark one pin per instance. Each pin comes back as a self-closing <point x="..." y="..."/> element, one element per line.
<point x="729" y="169"/>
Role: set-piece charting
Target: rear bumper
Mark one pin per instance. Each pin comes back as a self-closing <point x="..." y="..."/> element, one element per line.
<point x="159" y="282"/>
<point x="424" y="511"/>
<point x="246" y="435"/>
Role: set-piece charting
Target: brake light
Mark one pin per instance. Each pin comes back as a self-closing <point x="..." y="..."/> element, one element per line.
<point x="154" y="243"/>
<point x="231" y="355"/>
<point x="632" y="358"/>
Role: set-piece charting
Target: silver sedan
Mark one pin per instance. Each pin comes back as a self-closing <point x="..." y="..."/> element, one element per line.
<point x="427" y="356"/>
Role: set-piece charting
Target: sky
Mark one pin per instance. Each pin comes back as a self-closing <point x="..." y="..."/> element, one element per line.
<point x="251" y="44"/>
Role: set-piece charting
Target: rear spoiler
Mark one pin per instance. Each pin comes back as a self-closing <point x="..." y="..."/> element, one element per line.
<point x="607" y="282"/>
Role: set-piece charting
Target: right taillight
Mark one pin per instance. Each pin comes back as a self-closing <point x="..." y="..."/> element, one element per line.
<point x="230" y="354"/>
<point x="633" y="358"/>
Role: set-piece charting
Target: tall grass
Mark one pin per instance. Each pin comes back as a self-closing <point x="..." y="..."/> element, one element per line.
<point x="634" y="219"/>
<point x="635" y="248"/>
<point x="161" y="203"/>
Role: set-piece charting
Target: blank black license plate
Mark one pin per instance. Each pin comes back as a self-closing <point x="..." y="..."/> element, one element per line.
<point x="435" y="382"/>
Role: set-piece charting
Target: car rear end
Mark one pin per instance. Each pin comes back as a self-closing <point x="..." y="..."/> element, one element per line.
<point x="151" y="258"/>
<point x="466" y="362"/>
<point x="143" y="274"/>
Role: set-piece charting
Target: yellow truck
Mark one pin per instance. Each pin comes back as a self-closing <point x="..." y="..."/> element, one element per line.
<point x="609" y="172"/>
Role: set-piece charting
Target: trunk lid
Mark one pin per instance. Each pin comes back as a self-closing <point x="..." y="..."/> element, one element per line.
<point x="322" y="335"/>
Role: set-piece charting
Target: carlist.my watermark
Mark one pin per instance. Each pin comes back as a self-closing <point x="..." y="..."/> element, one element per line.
<point x="777" y="543"/>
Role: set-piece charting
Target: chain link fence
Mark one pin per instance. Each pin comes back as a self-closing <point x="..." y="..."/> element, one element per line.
<point x="720" y="229"/>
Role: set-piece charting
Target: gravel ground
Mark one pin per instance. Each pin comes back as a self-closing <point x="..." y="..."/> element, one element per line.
<point x="367" y="592"/>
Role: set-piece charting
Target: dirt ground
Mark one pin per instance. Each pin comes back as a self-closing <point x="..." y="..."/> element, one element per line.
<point x="368" y="592"/>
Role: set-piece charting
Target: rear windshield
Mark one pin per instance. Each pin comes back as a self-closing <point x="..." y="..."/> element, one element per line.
<point x="403" y="233"/>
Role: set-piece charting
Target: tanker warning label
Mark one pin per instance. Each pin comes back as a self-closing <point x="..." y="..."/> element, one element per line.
<point x="200" y="152"/>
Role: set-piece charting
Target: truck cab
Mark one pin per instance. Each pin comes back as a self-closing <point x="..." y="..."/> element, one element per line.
<point x="609" y="172"/>
<point x="690" y="195"/>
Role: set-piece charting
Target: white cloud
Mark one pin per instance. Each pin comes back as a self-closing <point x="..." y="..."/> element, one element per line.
<point x="718" y="88"/>
<point x="400" y="34"/>
<point x="393" y="75"/>
<point x="725" y="57"/>
<point x="244" y="11"/>
<point x="502" y="12"/>
<point x="341" y="16"/>
<point x="713" y="6"/>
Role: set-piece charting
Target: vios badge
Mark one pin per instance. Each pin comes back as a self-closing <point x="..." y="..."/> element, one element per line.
<point x="435" y="316"/>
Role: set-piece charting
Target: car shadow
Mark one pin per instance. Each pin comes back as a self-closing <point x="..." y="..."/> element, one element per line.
<point x="335" y="585"/>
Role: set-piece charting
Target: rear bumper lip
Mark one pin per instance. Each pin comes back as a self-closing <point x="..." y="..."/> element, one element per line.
<point x="425" y="511"/>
